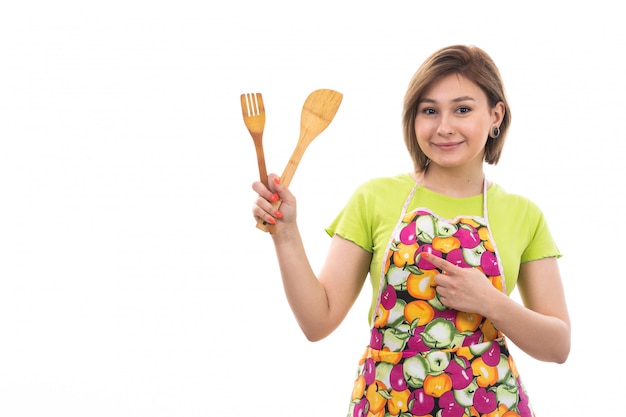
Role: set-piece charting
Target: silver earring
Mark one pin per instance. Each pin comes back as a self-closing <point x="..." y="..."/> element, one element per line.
<point x="495" y="132"/>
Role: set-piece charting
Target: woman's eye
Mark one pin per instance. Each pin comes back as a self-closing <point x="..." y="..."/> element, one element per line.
<point x="463" y="109"/>
<point x="428" y="111"/>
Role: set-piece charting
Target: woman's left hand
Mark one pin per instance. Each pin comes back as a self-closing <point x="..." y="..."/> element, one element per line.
<point x="463" y="289"/>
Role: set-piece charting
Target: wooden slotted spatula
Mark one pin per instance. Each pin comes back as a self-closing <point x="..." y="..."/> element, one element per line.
<point x="318" y="111"/>
<point x="253" y="111"/>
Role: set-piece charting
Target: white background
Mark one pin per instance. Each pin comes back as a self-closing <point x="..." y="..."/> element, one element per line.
<point x="132" y="279"/>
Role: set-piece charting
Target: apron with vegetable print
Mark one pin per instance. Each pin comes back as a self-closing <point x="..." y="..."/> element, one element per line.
<point x="425" y="359"/>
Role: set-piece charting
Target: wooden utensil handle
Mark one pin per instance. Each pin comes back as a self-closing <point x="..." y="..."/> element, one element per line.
<point x="260" y="157"/>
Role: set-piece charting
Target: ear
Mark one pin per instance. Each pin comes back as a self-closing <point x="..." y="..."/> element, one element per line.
<point x="497" y="113"/>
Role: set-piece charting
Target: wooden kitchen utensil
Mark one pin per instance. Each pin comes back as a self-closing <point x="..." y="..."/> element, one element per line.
<point x="318" y="111"/>
<point x="253" y="111"/>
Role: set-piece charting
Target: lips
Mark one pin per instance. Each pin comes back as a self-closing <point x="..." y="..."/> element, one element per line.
<point x="447" y="145"/>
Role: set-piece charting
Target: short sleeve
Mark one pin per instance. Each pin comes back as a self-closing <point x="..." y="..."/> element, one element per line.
<point x="354" y="220"/>
<point x="541" y="244"/>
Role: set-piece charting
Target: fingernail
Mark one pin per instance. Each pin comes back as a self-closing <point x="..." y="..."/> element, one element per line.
<point x="274" y="198"/>
<point x="276" y="180"/>
<point x="271" y="220"/>
<point x="425" y="254"/>
<point x="278" y="214"/>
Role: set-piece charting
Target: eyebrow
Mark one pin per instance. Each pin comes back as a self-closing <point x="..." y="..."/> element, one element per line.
<point x="456" y="100"/>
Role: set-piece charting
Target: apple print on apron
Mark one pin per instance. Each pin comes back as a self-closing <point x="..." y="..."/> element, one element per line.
<point x="425" y="359"/>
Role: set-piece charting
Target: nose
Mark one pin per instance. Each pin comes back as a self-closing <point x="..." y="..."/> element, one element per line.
<point x="445" y="127"/>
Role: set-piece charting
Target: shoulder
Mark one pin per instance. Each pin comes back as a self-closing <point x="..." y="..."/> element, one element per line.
<point x="386" y="185"/>
<point x="512" y="206"/>
<point x="498" y="191"/>
<point x="374" y="197"/>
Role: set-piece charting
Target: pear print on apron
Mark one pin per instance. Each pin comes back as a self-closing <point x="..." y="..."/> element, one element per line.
<point x="425" y="359"/>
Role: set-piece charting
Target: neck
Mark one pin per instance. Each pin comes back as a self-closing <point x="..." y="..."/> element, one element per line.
<point x="453" y="183"/>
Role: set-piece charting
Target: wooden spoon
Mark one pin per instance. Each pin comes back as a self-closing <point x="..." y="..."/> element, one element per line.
<point x="318" y="111"/>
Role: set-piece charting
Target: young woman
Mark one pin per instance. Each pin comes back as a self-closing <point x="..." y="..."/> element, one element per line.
<point x="443" y="247"/>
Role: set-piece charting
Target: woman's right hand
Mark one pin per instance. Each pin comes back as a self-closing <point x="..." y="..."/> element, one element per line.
<point x="265" y="208"/>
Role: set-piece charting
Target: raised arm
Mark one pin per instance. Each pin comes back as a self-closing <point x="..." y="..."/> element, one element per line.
<point x="319" y="303"/>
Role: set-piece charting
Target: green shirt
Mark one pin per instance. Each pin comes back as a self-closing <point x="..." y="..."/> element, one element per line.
<point x="518" y="226"/>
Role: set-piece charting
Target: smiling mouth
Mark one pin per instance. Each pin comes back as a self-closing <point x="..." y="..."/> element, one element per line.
<point x="449" y="145"/>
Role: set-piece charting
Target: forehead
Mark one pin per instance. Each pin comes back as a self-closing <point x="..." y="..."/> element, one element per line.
<point x="451" y="87"/>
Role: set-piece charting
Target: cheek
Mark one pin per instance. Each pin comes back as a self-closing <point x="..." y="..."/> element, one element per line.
<point x="480" y="134"/>
<point x="424" y="131"/>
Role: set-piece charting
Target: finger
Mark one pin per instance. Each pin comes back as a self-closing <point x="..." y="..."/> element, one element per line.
<point x="445" y="266"/>
<point x="260" y="213"/>
<point x="441" y="291"/>
<point x="264" y="192"/>
<point x="281" y="190"/>
<point x="260" y="188"/>
<point x="267" y="205"/>
<point x="274" y="182"/>
<point x="441" y="281"/>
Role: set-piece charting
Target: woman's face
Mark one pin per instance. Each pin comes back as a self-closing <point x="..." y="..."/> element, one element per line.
<point x="453" y="122"/>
